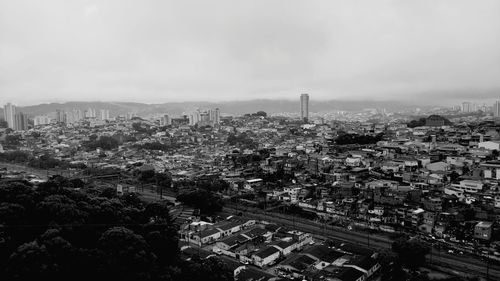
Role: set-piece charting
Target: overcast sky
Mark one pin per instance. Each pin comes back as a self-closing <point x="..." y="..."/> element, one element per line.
<point x="162" y="51"/>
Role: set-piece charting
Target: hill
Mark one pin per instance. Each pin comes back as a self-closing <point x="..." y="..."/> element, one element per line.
<point x="230" y="107"/>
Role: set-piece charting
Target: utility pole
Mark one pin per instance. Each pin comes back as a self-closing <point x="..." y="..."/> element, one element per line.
<point x="488" y="267"/>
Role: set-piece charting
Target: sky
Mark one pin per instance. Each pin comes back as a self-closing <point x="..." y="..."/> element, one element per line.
<point x="423" y="51"/>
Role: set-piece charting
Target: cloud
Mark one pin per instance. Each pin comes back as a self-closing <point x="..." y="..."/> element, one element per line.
<point x="160" y="51"/>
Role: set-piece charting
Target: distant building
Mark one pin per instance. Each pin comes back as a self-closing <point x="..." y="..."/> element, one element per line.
<point x="466" y="107"/>
<point x="130" y="115"/>
<point x="214" y="116"/>
<point x="104" y="114"/>
<point x="72" y="116"/>
<point x="209" y="117"/>
<point x="60" y="116"/>
<point x="496" y="109"/>
<point x="304" y="107"/>
<point x="165" y="120"/>
<point x="90" y="113"/>
<point x="21" y="122"/>
<point x="9" y="114"/>
<point x="41" y="120"/>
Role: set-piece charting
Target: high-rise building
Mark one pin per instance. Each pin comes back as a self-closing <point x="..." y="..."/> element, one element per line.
<point x="304" y="107"/>
<point x="466" y="107"/>
<point x="104" y="114"/>
<point x="21" y="122"/>
<point x="214" y="116"/>
<point x="194" y="117"/>
<point x="496" y="109"/>
<point x="90" y="113"/>
<point x="130" y="115"/>
<point x="9" y="115"/>
<point x="61" y="116"/>
<point x="165" y="120"/>
<point x="41" y="120"/>
<point x="210" y="117"/>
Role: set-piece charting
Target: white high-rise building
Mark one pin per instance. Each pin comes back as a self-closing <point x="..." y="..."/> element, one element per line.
<point x="304" y="107"/>
<point x="9" y="115"/>
<point x="41" y="120"/>
<point x="214" y="116"/>
<point x="496" y="109"/>
<point x="104" y="114"/>
<point x="466" y="107"/>
<point x="194" y="117"/>
<point x="90" y="113"/>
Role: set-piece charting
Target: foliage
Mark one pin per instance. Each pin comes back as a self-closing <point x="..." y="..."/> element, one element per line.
<point x="104" y="142"/>
<point x="43" y="162"/>
<point x="357" y="139"/>
<point x="242" y="140"/>
<point x="58" y="233"/>
<point x="417" y="123"/>
<point x="12" y="141"/>
<point x="411" y="253"/>
<point x="260" y="113"/>
<point x="156" y="146"/>
<point x="142" y="128"/>
<point x="4" y="124"/>
<point x="206" y="201"/>
<point x="423" y="121"/>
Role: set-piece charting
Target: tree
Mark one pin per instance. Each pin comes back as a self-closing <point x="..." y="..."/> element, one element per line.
<point x="411" y="253"/>
<point x="66" y="235"/>
<point x="495" y="154"/>
<point x="104" y="142"/>
<point x="31" y="261"/>
<point x="127" y="255"/>
<point x="201" y="199"/>
<point x="12" y="140"/>
<point x="212" y="269"/>
<point x="4" y="124"/>
<point x="260" y="113"/>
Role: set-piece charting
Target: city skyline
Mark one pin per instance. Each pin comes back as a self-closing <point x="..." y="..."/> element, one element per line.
<point x="347" y="140"/>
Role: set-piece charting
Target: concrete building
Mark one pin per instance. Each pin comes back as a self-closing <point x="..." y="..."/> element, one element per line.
<point x="466" y="107"/>
<point x="41" y="120"/>
<point x="165" y="120"/>
<point x="266" y="256"/>
<point x="104" y="114"/>
<point x="9" y="114"/>
<point x="304" y="107"/>
<point x="20" y="122"/>
<point x="482" y="230"/>
<point x="61" y="116"/>
<point x="496" y="109"/>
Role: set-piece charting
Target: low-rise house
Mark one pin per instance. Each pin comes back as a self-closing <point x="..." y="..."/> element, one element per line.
<point x="483" y="230"/>
<point x="266" y="256"/>
<point x="367" y="265"/>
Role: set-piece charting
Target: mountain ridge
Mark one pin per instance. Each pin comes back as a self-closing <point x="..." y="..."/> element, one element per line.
<point x="230" y="107"/>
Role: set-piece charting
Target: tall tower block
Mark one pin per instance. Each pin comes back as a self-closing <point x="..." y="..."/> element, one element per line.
<point x="304" y="107"/>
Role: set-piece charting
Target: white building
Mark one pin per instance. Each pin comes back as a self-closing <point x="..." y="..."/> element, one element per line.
<point x="9" y="114"/>
<point x="41" y="120"/>
<point x="470" y="186"/>
<point x="491" y="145"/>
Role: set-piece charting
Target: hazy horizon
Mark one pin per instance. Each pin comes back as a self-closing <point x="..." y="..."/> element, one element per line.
<point x="424" y="52"/>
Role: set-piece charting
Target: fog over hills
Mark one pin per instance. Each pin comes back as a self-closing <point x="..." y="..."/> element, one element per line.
<point x="231" y="107"/>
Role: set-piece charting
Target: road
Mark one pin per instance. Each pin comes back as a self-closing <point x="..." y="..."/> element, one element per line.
<point x="460" y="264"/>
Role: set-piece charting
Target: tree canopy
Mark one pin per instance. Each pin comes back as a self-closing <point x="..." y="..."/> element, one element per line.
<point x="55" y="232"/>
